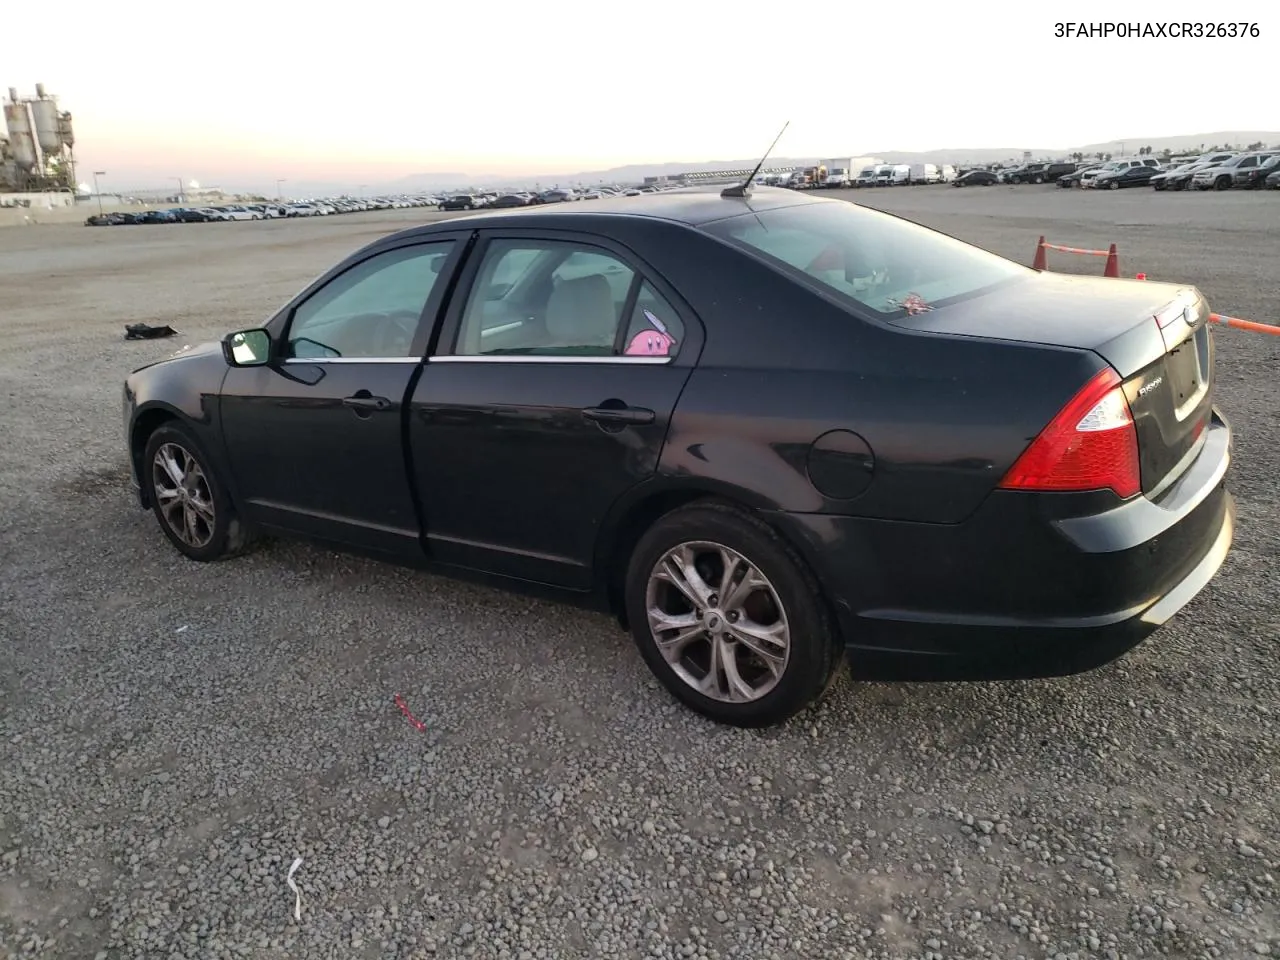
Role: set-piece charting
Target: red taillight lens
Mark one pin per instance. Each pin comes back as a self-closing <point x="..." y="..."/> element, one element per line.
<point x="1091" y="444"/>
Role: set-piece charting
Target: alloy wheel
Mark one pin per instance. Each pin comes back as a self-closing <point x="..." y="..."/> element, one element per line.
<point x="718" y="622"/>
<point x="183" y="494"/>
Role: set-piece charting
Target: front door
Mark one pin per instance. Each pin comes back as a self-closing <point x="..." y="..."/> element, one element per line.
<point x="315" y="440"/>
<point x="560" y="366"/>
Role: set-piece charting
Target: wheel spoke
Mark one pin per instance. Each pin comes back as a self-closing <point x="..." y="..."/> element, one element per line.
<point x="170" y="466"/>
<point x="713" y="683"/>
<point x="680" y="572"/>
<point x="773" y="659"/>
<point x="735" y="596"/>
<point x="202" y="507"/>
<point x="736" y="686"/>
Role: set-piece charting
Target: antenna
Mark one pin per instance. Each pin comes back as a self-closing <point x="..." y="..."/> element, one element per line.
<point x="744" y="189"/>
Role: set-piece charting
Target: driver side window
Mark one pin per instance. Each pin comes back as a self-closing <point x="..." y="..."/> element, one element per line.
<point x="371" y="310"/>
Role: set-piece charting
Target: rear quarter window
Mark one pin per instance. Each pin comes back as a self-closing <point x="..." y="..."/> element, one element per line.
<point x="872" y="259"/>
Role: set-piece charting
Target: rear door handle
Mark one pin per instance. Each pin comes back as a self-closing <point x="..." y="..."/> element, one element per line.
<point x="623" y="415"/>
<point x="363" y="400"/>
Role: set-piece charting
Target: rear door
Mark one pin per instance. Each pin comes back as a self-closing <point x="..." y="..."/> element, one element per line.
<point x="315" y="440"/>
<point x="561" y="360"/>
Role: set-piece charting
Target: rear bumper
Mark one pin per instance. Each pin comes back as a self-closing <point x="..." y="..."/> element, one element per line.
<point x="1023" y="588"/>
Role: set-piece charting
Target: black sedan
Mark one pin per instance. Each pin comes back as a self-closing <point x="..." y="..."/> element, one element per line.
<point x="460" y="202"/>
<point x="510" y="200"/>
<point x="764" y="431"/>
<point x="1179" y="178"/>
<point x="1130" y="177"/>
<point x="976" y="178"/>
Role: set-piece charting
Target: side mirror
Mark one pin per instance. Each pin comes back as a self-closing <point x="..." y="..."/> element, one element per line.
<point x="247" y="348"/>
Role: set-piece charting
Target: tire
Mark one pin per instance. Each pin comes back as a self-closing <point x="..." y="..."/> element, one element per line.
<point x="1222" y="183"/>
<point x="223" y="537"/>
<point x="1115" y="184"/>
<point x="788" y="595"/>
<point x="1039" y="179"/>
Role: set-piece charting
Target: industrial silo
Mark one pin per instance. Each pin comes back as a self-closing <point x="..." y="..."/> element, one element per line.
<point x="44" y="111"/>
<point x="21" y="143"/>
<point x="65" y="133"/>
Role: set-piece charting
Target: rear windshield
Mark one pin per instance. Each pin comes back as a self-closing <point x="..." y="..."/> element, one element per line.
<point x="873" y="259"/>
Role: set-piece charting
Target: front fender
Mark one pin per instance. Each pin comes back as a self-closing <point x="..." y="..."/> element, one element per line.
<point x="185" y="388"/>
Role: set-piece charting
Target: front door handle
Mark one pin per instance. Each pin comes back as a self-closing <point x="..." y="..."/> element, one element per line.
<point x="363" y="401"/>
<point x="631" y="416"/>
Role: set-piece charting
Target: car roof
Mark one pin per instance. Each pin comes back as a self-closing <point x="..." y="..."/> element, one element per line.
<point x="691" y="206"/>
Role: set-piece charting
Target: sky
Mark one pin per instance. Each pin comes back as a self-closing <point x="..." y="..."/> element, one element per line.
<point x="369" y="92"/>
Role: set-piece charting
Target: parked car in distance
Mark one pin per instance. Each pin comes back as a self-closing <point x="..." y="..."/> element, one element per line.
<point x="1254" y="177"/>
<point x="463" y="201"/>
<point x="1040" y="172"/>
<point x="1114" y="166"/>
<point x="1138" y="176"/>
<point x="975" y="178"/>
<point x="1073" y="179"/>
<point x="1273" y="181"/>
<point x="1222" y="176"/>
<point x="572" y="396"/>
<point x="1161" y="180"/>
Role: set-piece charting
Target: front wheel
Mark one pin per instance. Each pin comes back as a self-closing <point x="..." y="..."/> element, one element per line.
<point x="728" y="617"/>
<point x="188" y="498"/>
<point x="1115" y="184"/>
<point x="1222" y="183"/>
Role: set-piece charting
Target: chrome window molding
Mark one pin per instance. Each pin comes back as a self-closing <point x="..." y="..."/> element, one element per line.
<point x="482" y="358"/>
<point x="545" y="358"/>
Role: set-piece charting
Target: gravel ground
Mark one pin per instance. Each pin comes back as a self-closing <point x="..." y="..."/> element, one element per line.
<point x="173" y="736"/>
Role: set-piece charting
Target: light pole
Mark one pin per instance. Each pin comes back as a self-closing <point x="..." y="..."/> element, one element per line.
<point x="97" y="189"/>
<point x="278" y="182"/>
<point x="181" y="191"/>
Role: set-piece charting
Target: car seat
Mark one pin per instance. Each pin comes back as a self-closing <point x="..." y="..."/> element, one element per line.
<point x="581" y="313"/>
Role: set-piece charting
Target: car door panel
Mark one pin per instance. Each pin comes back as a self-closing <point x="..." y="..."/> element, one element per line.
<point x="518" y="458"/>
<point x="304" y="461"/>
<point x="517" y="481"/>
<point x="315" y="441"/>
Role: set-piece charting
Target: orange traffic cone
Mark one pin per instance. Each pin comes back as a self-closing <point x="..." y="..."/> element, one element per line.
<point x="1039" y="262"/>
<point x="1113" y="264"/>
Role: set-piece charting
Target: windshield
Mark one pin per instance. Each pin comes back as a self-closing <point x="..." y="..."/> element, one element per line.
<point x="871" y="258"/>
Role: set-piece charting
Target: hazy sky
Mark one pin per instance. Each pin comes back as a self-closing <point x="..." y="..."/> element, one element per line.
<point x="378" y="89"/>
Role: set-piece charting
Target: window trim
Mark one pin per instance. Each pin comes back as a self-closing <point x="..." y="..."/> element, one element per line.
<point x="451" y="325"/>
<point x="428" y="320"/>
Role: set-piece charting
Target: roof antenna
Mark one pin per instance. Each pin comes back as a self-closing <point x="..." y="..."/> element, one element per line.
<point x="744" y="189"/>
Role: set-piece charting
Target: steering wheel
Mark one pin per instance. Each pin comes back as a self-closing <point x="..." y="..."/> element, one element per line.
<point x="394" y="332"/>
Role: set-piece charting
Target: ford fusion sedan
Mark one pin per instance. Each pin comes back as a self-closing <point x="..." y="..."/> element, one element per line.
<point x="767" y="431"/>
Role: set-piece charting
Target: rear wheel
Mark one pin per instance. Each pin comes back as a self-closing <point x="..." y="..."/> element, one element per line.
<point x="188" y="498"/>
<point x="1115" y="184"/>
<point x="728" y="617"/>
<point x="1222" y="183"/>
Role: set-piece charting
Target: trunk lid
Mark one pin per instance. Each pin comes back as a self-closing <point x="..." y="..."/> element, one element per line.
<point x="1156" y="336"/>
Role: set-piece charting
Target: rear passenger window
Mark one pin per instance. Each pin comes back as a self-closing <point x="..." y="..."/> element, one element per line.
<point x="654" y="329"/>
<point x="552" y="298"/>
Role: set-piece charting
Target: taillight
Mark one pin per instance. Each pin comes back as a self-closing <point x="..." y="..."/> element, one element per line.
<point x="1091" y="444"/>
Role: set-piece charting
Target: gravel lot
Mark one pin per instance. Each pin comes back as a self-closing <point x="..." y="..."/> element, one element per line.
<point x="173" y="736"/>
